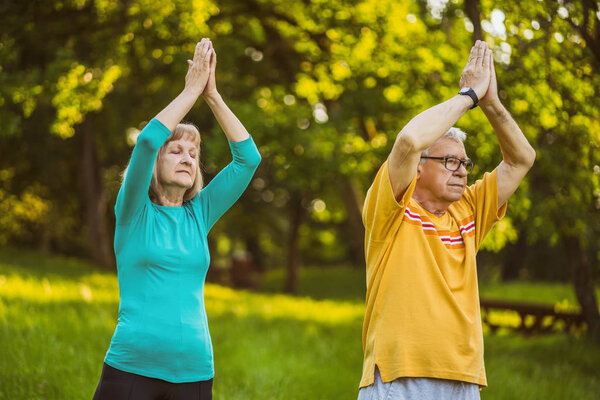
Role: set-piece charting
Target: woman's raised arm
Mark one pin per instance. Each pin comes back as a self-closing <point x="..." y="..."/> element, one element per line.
<point x="134" y="190"/>
<point x="195" y="82"/>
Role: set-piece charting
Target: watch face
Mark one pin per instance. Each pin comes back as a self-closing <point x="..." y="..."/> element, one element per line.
<point x="464" y="90"/>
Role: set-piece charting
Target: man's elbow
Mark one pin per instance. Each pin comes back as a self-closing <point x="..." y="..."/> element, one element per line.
<point x="530" y="158"/>
<point x="409" y="142"/>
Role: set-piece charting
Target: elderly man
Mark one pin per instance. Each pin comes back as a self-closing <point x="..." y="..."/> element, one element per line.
<point x="422" y="335"/>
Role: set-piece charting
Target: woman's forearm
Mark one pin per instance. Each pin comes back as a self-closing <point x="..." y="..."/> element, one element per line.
<point x="172" y="114"/>
<point x="231" y="125"/>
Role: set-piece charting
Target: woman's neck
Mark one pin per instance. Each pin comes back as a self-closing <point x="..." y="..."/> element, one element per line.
<point x="169" y="196"/>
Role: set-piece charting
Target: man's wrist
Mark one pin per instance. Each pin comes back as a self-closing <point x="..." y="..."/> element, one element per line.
<point x="465" y="101"/>
<point x="470" y="92"/>
<point x="493" y="106"/>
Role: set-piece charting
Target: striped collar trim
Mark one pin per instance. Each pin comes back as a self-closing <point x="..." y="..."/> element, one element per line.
<point x="450" y="239"/>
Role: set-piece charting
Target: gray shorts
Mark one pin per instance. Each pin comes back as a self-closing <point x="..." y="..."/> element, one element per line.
<point x="419" y="388"/>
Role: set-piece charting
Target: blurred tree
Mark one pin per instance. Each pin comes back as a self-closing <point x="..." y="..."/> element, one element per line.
<point x="324" y="87"/>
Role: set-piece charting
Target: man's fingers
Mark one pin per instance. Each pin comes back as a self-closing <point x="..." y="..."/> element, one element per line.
<point x="472" y="54"/>
<point x="479" y="52"/>
<point x="486" y="58"/>
<point x="190" y="63"/>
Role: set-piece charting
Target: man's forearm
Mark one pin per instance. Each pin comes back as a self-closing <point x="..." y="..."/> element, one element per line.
<point x="427" y="127"/>
<point x="516" y="150"/>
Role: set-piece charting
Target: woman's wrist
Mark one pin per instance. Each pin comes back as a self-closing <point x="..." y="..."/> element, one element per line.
<point x="212" y="98"/>
<point x="191" y="93"/>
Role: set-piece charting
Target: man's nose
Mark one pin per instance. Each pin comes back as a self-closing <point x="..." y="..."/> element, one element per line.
<point x="462" y="170"/>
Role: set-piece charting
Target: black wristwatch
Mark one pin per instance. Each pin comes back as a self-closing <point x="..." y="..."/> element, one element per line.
<point x="467" y="91"/>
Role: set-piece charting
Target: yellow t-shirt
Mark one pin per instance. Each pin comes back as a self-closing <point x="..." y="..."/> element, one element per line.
<point x="422" y="308"/>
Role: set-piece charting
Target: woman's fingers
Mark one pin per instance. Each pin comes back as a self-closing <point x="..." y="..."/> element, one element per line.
<point x="197" y="51"/>
<point x="213" y="60"/>
<point x="204" y="52"/>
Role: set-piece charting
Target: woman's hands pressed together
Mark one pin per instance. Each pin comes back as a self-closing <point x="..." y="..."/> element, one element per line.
<point x="199" y="68"/>
<point x="211" y="86"/>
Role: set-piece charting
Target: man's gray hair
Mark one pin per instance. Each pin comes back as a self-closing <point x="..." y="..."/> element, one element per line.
<point x="454" y="134"/>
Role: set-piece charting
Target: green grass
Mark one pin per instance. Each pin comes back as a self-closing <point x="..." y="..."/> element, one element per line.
<point x="347" y="283"/>
<point x="57" y="316"/>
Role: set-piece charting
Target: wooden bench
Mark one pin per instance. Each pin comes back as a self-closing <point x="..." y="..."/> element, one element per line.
<point x="535" y="318"/>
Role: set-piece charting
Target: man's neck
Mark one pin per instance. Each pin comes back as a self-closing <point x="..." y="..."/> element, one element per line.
<point x="435" y="207"/>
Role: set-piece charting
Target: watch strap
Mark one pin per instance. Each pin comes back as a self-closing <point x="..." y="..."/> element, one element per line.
<point x="471" y="93"/>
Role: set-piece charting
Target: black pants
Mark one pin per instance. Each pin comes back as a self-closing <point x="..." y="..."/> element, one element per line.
<point x="119" y="385"/>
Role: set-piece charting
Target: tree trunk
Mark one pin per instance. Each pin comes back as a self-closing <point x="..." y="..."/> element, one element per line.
<point x="513" y="262"/>
<point x="353" y="202"/>
<point x="94" y="200"/>
<point x="581" y="270"/>
<point x="296" y="216"/>
<point x="253" y="247"/>
<point x="472" y="11"/>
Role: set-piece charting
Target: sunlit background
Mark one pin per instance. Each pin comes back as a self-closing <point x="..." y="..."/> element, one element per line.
<point x="323" y="86"/>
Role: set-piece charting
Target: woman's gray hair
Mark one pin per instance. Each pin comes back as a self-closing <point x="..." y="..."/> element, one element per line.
<point x="453" y="133"/>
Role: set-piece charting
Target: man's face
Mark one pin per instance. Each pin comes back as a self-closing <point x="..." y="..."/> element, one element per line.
<point x="433" y="178"/>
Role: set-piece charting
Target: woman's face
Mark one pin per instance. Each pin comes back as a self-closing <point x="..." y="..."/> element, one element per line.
<point x="178" y="164"/>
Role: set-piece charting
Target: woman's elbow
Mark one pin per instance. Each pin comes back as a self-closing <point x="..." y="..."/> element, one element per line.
<point x="146" y="143"/>
<point x="254" y="161"/>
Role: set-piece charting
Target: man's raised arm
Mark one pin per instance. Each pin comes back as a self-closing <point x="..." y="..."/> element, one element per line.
<point x="426" y="128"/>
<point x="517" y="154"/>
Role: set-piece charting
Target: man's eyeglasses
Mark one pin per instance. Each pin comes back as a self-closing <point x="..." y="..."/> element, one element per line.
<point x="453" y="163"/>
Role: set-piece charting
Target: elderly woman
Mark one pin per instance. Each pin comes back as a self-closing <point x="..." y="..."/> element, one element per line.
<point x="161" y="348"/>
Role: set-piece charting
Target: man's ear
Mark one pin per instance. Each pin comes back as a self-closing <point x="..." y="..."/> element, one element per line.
<point x="419" y="166"/>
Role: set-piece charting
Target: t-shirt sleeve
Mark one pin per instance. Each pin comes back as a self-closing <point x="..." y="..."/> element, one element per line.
<point x="482" y="199"/>
<point x="229" y="184"/>
<point x="382" y="213"/>
<point x="134" y="190"/>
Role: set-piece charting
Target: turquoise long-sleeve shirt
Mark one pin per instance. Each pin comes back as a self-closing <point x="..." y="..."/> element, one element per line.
<point x="162" y="259"/>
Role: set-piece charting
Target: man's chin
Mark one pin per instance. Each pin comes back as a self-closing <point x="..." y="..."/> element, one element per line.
<point x="456" y="194"/>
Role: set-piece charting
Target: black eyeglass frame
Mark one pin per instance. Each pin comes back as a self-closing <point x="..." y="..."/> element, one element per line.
<point x="466" y="162"/>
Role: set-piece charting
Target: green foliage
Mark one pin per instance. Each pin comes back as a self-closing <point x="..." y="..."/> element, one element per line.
<point x="324" y="87"/>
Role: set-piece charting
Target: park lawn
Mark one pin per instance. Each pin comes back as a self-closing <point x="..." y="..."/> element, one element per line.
<point x="348" y="283"/>
<point x="57" y="316"/>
